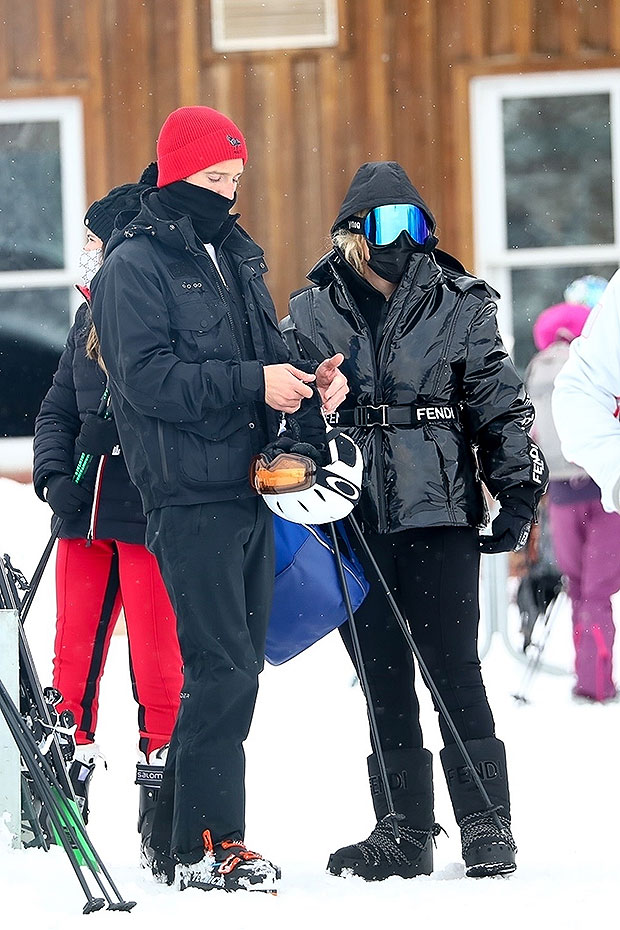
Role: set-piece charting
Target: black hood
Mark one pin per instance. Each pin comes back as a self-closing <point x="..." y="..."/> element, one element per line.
<point x="377" y="183"/>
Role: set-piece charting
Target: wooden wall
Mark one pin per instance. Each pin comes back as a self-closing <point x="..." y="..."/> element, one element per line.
<point x="396" y="87"/>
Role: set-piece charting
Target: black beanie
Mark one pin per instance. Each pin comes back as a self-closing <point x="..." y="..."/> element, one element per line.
<point x="101" y="214"/>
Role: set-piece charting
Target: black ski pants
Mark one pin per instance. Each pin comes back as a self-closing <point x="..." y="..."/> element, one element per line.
<point x="434" y="576"/>
<point x="217" y="562"/>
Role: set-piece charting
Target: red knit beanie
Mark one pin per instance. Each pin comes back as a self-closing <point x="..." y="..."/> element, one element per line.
<point x="193" y="138"/>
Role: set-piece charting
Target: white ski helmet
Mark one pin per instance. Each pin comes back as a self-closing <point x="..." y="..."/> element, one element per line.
<point x="326" y="493"/>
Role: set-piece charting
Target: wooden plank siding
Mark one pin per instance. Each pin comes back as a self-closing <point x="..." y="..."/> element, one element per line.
<point x="395" y="87"/>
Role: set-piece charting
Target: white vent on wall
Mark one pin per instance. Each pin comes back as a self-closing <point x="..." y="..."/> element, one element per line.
<point x="247" y="25"/>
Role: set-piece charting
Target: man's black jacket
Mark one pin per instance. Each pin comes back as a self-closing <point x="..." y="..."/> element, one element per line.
<point x="76" y="391"/>
<point x="188" y="402"/>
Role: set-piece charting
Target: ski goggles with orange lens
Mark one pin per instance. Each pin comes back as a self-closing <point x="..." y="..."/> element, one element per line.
<point x="385" y="224"/>
<point x="286" y="472"/>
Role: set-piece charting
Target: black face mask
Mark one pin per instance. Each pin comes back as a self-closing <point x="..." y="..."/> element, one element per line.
<point x="390" y="261"/>
<point x="207" y="210"/>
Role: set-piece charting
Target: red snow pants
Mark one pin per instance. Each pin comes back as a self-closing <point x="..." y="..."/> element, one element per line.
<point x="92" y="584"/>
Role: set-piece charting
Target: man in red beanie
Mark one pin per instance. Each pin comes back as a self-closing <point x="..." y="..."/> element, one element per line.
<point x="199" y="379"/>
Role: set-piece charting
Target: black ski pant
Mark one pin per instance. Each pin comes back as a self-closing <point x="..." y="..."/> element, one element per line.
<point x="217" y="562"/>
<point x="434" y="576"/>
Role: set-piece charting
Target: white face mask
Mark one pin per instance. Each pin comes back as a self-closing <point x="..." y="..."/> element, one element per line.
<point x="91" y="261"/>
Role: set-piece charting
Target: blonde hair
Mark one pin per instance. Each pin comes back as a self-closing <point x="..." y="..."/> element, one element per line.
<point x="351" y="246"/>
<point x="93" y="349"/>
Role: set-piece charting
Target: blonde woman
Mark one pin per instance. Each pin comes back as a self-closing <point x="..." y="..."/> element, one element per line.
<point x="437" y="408"/>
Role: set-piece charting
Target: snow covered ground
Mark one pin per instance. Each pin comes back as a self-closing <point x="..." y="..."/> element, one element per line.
<point x="307" y="795"/>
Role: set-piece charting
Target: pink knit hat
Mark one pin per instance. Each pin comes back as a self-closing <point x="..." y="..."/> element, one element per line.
<point x="193" y="138"/>
<point x="561" y="321"/>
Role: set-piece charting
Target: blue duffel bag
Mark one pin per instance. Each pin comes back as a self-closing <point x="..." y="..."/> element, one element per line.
<point x="308" y="602"/>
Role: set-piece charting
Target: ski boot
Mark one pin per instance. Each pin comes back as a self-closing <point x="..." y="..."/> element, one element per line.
<point x="488" y="847"/>
<point x="149" y="777"/>
<point x="379" y="856"/>
<point x="229" y="866"/>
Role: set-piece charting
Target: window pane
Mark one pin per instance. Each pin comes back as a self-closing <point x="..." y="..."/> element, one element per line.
<point x="30" y="197"/>
<point x="534" y="289"/>
<point x="557" y="153"/>
<point x="33" y="329"/>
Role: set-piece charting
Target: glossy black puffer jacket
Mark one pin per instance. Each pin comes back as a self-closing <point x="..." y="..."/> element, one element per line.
<point x="439" y="347"/>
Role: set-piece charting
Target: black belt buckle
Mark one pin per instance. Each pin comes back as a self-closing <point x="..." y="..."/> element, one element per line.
<point x="371" y="415"/>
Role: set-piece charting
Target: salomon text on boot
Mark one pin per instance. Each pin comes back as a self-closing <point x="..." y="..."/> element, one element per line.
<point x="229" y="866"/>
<point x="486" y="838"/>
<point x="379" y="856"/>
<point x="149" y="777"/>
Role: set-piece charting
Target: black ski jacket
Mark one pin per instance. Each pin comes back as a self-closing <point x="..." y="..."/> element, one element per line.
<point x="440" y="365"/>
<point x="76" y="391"/>
<point x="187" y="399"/>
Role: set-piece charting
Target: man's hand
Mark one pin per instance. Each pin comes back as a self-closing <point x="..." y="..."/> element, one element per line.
<point x="286" y="387"/>
<point x="331" y="383"/>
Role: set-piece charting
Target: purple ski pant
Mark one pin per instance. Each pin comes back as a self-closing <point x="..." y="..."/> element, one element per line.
<point x="586" y="541"/>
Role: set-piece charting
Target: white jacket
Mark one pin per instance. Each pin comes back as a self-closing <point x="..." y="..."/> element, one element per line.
<point x="586" y="397"/>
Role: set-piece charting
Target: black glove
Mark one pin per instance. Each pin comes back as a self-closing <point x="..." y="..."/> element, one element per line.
<point x="65" y="497"/>
<point x="307" y="427"/>
<point x="98" y="435"/>
<point x="286" y="444"/>
<point x="510" y="529"/>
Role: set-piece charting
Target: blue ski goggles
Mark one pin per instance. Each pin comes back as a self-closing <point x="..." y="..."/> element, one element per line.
<point x="385" y="224"/>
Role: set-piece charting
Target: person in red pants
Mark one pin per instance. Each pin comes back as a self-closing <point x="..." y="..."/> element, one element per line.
<point x="102" y="564"/>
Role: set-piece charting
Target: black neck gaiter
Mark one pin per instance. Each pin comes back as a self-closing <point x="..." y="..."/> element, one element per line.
<point x="207" y="210"/>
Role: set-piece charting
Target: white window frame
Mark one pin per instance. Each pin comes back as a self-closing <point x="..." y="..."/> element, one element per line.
<point x="328" y="37"/>
<point x="494" y="261"/>
<point x="67" y="112"/>
<point x="16" y="452"/>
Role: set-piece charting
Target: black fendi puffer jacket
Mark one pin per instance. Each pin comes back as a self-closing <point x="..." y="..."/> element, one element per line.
<point x="439" y="364"/>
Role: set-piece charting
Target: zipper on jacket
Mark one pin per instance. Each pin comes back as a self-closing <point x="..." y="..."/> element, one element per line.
<point x="94" y="510"/>
<point x="442" y="364"/>
<point x="378" y="435"/>
<point x="444" y="350"/>
<point x="162" y="452"/>
<point x="218" y="284"/>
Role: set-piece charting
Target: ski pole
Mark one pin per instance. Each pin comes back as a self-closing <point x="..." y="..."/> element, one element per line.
<point x="9" y="596"/>
<point x="426" y="675"/>
<point x="63" y="817"/>
<point x="534" y="663"/>
<point x="7" y="707"/>
<point x="81" y="468"/>
<point x="391" y="815"/>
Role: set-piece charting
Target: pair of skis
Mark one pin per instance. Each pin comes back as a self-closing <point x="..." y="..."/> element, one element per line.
<point x="45" y="742"/>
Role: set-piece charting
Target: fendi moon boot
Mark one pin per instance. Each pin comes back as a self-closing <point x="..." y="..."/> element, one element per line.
<point x="487" y="848"/>
<point x="378" y="857"/>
